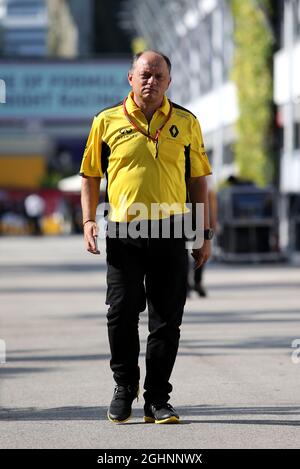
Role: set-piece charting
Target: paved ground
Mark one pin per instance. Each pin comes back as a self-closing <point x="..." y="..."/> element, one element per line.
<point x="236" y="385"/>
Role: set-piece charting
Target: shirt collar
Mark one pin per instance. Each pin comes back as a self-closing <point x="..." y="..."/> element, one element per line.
<point x="132" y="107"/>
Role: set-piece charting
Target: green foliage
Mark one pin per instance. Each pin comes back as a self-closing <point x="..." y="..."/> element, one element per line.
<point x="252" y="74"/>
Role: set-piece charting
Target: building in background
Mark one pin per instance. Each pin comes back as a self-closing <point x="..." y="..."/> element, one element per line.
<point x="24" y="26"/>
<point x="287" y="99"/>
<point x="41" y="28"/>
<point x="55" y="81"/>
<point x="31" y="32"/>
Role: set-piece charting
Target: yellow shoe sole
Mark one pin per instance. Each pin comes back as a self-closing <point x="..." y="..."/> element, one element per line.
<point x="172" y="419"/>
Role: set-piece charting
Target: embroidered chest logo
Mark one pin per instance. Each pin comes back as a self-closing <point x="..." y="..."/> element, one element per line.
<point x="125" y="131"/>
<point x="174" y="131"/>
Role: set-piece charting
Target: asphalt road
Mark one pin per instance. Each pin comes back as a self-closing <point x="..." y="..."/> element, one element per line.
<point x="235" y="382"/>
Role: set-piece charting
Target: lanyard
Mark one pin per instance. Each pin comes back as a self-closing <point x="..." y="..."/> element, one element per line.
<point x="139" y="129"/>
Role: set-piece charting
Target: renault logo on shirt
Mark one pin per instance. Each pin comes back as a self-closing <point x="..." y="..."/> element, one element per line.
<point x="174" y="131"/>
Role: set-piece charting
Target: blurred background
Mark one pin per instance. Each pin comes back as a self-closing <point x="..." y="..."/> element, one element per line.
<point x="235" y="65"/>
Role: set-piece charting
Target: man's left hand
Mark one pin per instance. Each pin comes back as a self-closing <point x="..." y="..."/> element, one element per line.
<point x="202" y="255"/>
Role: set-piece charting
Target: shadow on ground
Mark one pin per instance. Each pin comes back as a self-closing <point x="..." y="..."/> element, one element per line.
<point x="189" y="414"/>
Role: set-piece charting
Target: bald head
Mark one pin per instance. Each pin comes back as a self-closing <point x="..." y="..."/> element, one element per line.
<point x="152" y="55"/>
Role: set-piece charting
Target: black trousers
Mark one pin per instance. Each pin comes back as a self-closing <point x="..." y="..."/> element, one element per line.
<point x="141" y="271"/>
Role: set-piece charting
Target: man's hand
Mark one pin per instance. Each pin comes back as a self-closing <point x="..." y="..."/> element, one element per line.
<point x="90" y="233"/>
<point x="203" y="254"/>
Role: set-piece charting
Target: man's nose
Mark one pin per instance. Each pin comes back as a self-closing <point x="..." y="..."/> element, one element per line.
<point x="151" y="79"/>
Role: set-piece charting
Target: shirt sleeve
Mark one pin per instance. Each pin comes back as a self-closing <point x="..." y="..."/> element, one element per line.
<point x="200" y="165"/>
<point x="91" y="160"/>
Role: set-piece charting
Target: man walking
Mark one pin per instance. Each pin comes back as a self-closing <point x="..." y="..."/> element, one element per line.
<point x="152" y="152"/>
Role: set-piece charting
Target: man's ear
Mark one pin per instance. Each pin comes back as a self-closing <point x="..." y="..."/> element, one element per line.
<point x="129" y="76"/>
<point x="169" y="82"/>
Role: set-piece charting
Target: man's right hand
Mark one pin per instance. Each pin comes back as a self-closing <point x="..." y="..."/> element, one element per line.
<point x="90" y="233"/>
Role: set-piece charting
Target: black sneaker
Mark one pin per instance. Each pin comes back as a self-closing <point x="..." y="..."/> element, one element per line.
<point x="160" y="413"/>
<point x="120" y="407"/>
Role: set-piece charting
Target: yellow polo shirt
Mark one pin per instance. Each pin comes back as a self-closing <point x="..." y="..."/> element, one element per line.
<point x="138" y="170"/>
